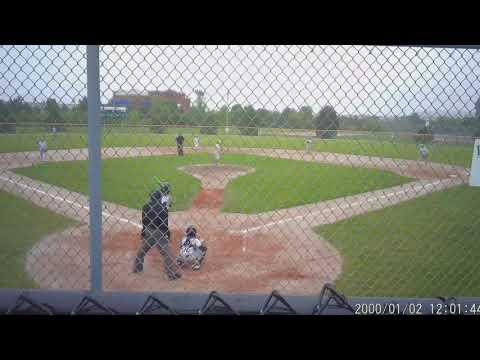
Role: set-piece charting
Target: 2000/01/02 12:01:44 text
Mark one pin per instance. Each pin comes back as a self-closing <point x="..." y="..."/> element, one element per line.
<point x="417" y="309"/>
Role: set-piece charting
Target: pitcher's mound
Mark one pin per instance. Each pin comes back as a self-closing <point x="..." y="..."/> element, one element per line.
<point x="216" y="176"/>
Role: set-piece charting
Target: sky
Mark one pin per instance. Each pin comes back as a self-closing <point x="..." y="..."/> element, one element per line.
<point x="365" y="80"/>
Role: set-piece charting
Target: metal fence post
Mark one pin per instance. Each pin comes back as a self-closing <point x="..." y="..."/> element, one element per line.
<point x="94" y="166"/>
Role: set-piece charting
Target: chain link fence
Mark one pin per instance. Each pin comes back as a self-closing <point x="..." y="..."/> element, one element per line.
<point x="244" y="169"/>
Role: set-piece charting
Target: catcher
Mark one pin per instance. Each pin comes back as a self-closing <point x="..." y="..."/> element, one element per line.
<point x="192" y="250"/>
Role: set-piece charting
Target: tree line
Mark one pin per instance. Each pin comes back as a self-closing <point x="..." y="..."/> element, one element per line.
<point x="17" y="111"/>
<point x="247" y="119"/>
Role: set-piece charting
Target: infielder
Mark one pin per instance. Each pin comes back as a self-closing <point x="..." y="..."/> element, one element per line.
<point x="217" y="153"/>
<point x="192" y="250"/>
<point x="424" y="152"/>
<point x="196" y="143"/>
<point x="308" y="144"/>
<point x="155" y="232"/>
<point x="42" y="147"/>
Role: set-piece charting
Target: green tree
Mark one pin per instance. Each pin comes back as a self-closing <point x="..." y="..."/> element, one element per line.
<point x="287" y="118"/>
<point x="414" y="122"/>
<point x="248" y="121"/>
<point x="199" y="102"/>
<point x="276" y="118"/>
<point x="164" y="113"/>
<point x="16" y="105"/>
<point x="222" y="117"/>
<point x="306" y="117"/>
<point x="3" y="110"/>
<point x="477" y="108"/>
<point x="195" y="117"/>
<point x="79" y="112"/>
<point x="7" y="120"/>
<point x="53" y="111"/>
<point x="264" y="118"/>
<point x="135" y="117"/>
<point x="82" y="104"/>
<point x="371" y="124"/>
<point x="210" y="123"/>
<point x="424" y="135"/>
<point x="326" y="122"/>
<point x="236" y="115"/>
<point x="293" y="119"/>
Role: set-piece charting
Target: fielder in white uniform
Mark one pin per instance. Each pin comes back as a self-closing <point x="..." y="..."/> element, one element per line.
<point x="424" y="152"/>
<point x="218" y="153"/>
<point x="42" y="147"/>
<point x="192" y="250"/>
<point x="196" y="143"/>
<point x="308" y="145"/>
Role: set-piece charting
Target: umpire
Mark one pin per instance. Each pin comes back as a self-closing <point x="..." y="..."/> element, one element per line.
<point x="155" y="232"/>
<point x="180" y="139"/>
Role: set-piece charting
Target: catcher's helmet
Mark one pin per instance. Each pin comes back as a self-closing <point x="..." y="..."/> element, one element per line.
<point x="165" y="188"/>
<point x="191" y="231"/>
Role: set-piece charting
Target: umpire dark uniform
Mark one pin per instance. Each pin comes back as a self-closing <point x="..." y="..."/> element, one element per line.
<point x="155" y="232"/>
<point x="180" y="139"/>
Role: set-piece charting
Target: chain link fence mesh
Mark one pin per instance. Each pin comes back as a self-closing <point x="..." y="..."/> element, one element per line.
<point x="298" y="166"/>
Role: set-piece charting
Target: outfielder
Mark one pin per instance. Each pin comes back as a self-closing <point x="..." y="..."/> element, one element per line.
<point x="192" y="250"/>
<point x="308" y="144"/>
<point x="42" y="147"/>
<point x="155" y="232"/>
<point x="424" y="152"/>
<point x="217" y="153"/>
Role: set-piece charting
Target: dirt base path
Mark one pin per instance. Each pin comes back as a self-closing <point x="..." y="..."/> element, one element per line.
<point x="247" y="253"/>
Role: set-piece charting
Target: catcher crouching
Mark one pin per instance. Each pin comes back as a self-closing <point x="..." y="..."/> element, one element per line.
<point x="192" y="250"/>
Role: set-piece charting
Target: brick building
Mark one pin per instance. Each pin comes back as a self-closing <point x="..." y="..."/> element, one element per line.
<point x="143" y="101"/>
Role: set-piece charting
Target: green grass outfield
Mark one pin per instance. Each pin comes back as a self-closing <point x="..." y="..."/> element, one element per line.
<point x="425" y="247"/>
<point x="22" y="224"/>
<point x="276" y="183"/>
<point x="449" y="154"/>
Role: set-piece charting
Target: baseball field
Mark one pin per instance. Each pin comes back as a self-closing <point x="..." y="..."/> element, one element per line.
<point x="442" y="153"/>
<point x="275" y="184"/>
<point x="430" y="246"/>
<point x="351" y="213"/>
<point x="23" y="224"/>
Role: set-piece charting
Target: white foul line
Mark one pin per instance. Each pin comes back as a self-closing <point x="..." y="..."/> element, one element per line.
<point x="244" y="231"/>
<point x="104" y="213"/>
<point x="354" y="204"/>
